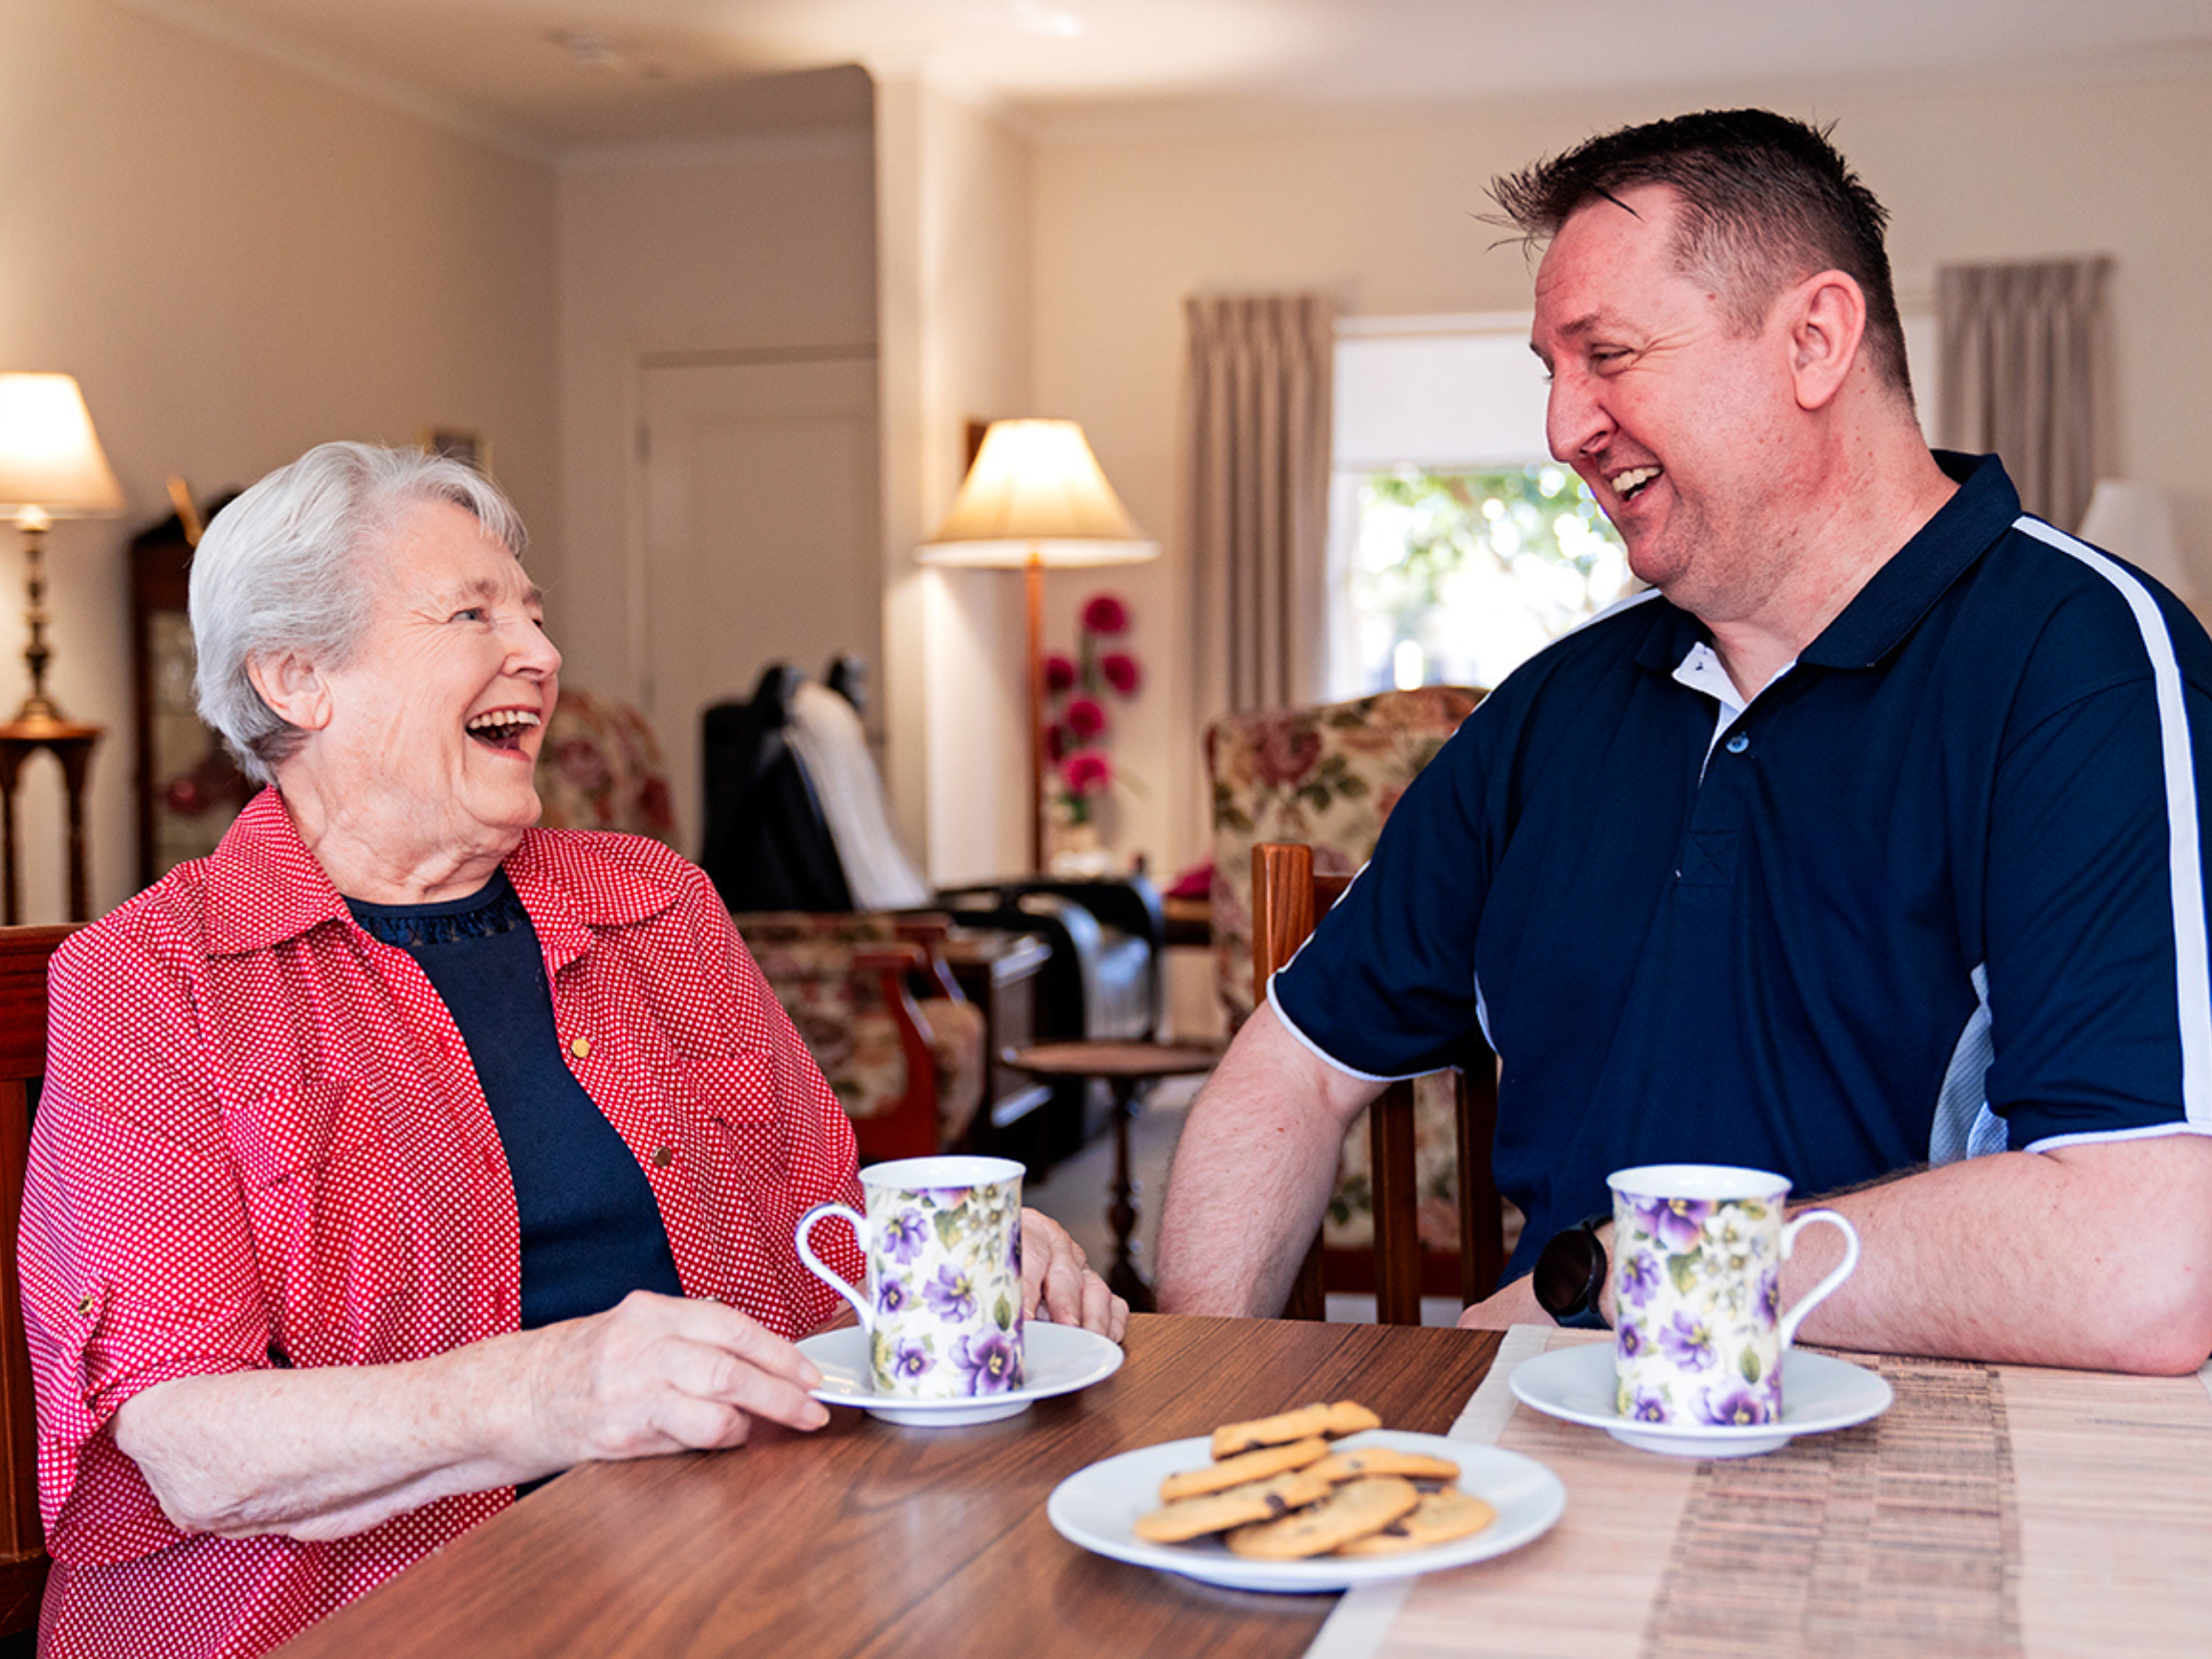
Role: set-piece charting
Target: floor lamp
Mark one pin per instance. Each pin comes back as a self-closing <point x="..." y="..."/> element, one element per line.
<point x="1034" y="500"/>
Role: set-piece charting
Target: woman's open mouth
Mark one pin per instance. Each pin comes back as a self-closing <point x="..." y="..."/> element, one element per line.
<point x="501" y="728"/>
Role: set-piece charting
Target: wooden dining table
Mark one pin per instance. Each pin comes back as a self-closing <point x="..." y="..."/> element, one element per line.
<point x="2003" y="1511"/>
<point x="865" y="1538"/>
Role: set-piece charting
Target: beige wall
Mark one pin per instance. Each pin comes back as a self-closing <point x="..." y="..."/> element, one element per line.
<point x="955" y="220"/>
<point x="1382" y="214"/>
<point x="762" y="246"/>
<point x="238" y="262"/>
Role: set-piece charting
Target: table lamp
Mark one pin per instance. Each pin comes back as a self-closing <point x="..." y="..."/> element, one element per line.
<point x="50" y="467"/>
<point x="1036" y="499"/>
<point x="2136" y="522"/>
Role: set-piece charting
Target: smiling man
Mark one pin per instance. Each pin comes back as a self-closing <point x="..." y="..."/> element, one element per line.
<point x="1866" y="846"/>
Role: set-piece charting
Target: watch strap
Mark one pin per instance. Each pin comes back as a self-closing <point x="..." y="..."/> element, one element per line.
<point x="1570" y="1276"/>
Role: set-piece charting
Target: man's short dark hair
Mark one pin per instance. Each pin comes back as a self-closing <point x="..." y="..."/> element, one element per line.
<point x="1765" y="201"/>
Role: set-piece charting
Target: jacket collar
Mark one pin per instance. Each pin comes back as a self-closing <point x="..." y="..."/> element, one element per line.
<point x="263" y="888"/>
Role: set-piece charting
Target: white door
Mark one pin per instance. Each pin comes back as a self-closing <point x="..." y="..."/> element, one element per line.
<point x="760" y="538"/>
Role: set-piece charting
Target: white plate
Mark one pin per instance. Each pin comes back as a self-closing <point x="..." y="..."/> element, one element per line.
<point x="1055" y="1360"/>
<point x="1098" y="1508"/>
<point x="1819" y="1394"/>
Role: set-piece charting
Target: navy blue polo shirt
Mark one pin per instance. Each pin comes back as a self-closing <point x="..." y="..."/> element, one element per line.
<point x="1940" y="889"/>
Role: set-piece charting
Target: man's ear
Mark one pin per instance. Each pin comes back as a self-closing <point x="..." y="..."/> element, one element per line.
<point x="1827" y="321"/>
<point x="293" y="688"/>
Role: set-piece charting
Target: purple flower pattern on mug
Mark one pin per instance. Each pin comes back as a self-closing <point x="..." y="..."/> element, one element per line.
<point x="1769" y="1302"/>
<point x="951" y="1294"/>
<point x="905" y="1234"/>
<point x="910" y="1359"/>
<point x="1650" y="1406"/>
<point x="1676" y="1223"/>
<point x="989" y="1364"/>
<point x="1628" y="1339"/>
<point x="1687" y="1342"/>
<point x="891" y="1295"/>
<point x="1639" y="1277"/>
<point x="1738" y="1407"/>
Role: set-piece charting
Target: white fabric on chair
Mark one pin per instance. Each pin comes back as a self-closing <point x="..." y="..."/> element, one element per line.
<point x="833" y="746"/>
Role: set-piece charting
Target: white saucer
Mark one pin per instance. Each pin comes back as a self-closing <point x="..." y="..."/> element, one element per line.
<point x="1055" y="1360"/>
<point x="1819" y="1394"/>
<point x="1098" y="1508"/>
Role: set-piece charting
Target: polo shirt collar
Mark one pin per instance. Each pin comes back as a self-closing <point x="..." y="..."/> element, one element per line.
<point x="1898" y="594"/>
<point x="1910" y="583"/>
<point x="263" y="887"/>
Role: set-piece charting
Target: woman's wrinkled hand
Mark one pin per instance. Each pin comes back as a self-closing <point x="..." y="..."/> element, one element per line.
<point x="656" y="1374"/>
<point x="1058" y="1285"/>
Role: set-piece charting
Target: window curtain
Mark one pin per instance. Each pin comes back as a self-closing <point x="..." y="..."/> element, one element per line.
<point x="2027" y="373"/>
<point x="1258" y="411"/>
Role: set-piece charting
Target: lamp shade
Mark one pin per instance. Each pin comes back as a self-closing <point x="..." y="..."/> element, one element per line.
<point x="2136" y="522"/>
<point x="1035" y="494"/>
<point x="50" y="462"/>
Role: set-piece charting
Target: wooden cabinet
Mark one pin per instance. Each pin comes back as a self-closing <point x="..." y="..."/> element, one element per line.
<point x="185" y="787"/>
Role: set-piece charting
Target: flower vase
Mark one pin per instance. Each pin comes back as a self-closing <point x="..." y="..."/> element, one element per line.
<point x="1077" y="854"/>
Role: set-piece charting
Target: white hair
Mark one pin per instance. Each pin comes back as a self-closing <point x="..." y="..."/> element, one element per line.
<point x="288" y="566"/>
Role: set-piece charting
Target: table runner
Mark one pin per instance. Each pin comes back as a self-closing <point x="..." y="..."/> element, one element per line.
<point x="1994" y="1510"/>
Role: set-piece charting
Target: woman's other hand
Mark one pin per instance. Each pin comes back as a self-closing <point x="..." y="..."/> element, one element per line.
<point x="1058" y="1285"/>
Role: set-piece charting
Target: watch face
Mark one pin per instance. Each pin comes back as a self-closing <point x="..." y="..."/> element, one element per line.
<point x="1568" y="1271"/>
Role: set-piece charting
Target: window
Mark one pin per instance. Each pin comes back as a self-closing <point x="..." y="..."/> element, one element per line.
<point x="1458" y="547"/>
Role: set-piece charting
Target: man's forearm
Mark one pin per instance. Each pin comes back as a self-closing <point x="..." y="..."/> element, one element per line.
<point x="2095" y="1256"/>
<point x="1252" y="1174"/>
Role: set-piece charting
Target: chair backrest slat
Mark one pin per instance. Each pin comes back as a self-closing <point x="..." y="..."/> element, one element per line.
<point x="1287" y="899"/>
<point x="24" y="952"/>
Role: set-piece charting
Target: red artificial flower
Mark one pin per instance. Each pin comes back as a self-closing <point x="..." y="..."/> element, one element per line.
<point x="1121" y="672"/>
<point x="1055" y="741"/>
<point x="1059" y="673"/>
<point x="1086" y="773"/>
<point x="1105" y="614"/>
<point x="1086" y="717"/>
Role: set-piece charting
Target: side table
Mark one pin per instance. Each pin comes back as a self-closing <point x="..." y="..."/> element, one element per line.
<point x="1123" y="1065"/>
<point x="997" y="972"/>
<point x="72" y="745"/>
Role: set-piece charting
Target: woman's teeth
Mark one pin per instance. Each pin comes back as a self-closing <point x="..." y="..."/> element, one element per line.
<point x="502" y="727"/>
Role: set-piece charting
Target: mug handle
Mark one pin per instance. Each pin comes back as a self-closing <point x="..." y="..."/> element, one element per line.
<point x="1821" y="1292"/>
<point x="815" y="1265"/>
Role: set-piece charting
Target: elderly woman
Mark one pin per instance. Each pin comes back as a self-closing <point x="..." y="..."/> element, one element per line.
<point x="400" y="1152"/>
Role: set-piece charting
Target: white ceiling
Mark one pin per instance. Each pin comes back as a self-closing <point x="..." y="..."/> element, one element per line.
<point x="551" y="74"/>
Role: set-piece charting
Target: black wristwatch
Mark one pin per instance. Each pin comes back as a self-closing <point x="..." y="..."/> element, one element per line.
<point x="1570" y="1276"/>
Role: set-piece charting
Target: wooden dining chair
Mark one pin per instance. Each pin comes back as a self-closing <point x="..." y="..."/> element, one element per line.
<point x="23" y="957"/>
<point x="1287" y="899"/>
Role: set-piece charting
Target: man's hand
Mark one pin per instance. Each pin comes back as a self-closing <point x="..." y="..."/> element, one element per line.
<point x="1513" y="1305"/>
<point x="1058" y="1285"/>
<point x="657" y="1374"/>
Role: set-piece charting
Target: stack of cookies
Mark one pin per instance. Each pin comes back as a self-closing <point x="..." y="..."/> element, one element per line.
<point x="1276" y="1491"/>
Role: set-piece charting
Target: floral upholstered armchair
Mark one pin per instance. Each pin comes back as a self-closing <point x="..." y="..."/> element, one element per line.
<point x="600" y="768"/>
<point x="909" y="1070"/>
<point x="1328" y="776"/>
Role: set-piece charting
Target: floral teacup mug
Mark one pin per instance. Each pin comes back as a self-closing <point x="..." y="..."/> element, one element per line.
<point x="942" y="1304"/>
<point x="1699" y="1333"/>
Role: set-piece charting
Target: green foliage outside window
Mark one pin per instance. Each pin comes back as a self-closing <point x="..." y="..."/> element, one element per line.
<point x="1458" y="576"/>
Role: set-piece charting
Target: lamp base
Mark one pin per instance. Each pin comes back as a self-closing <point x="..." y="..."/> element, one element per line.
<point x="39" y="710"/>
